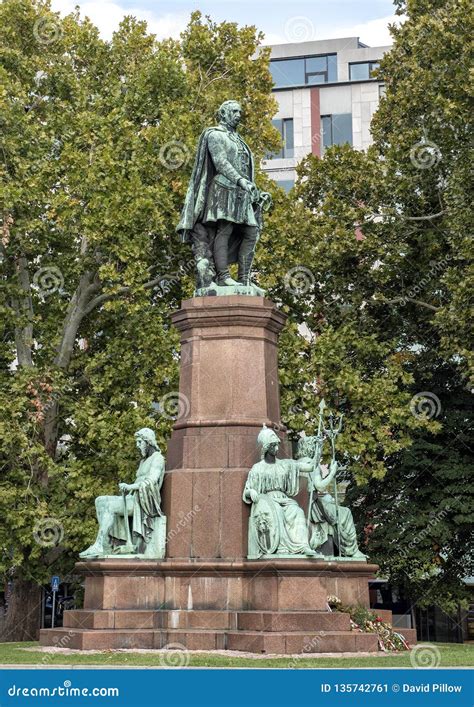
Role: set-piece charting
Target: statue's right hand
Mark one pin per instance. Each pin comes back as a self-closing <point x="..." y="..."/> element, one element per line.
<point x="254" y="495"/>
<point x="248" y="186"/>
<point x="123" y="487"/>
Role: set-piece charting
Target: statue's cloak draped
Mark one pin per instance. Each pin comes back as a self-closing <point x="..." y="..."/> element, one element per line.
<point x="146" y="502"/>
<point x="278" y="483"/>
<point x="202" y="175"/>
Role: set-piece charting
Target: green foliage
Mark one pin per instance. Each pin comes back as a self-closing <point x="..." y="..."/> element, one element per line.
<point x="97" y="140"/>
<point x="381" y="243"/>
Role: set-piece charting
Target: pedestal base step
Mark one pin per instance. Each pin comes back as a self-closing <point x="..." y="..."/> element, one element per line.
<point x="291" y="642"/>
<point x="206" y="619"/>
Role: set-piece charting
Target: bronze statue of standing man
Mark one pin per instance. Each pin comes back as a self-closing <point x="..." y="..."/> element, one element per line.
<point x="222" y="213"/>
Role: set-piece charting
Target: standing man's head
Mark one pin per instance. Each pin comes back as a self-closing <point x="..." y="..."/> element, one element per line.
<point x="230" y="114"/>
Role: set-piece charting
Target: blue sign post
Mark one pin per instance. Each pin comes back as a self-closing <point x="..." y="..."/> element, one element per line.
<point x="54" y="589"/>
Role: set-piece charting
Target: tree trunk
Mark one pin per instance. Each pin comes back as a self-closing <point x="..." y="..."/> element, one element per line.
<point x="23" y="617"/>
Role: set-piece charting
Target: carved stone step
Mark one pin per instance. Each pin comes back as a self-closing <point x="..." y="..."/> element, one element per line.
<point x="181" y="619"/>
<point x="293" y="642"/>
<point x="301" y="642"/>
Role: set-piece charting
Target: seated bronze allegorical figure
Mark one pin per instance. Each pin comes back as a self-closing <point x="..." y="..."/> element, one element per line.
<point x="222" y="213"/>
<point x="277" y="524"/>
<point x="133" y="523"/>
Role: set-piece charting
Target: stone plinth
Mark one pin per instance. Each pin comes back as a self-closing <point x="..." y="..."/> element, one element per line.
<point x="228" y="389"/>
<point x="228" y="381"/>
<point x="206" y="594"/>
<point x="276" y="606"/>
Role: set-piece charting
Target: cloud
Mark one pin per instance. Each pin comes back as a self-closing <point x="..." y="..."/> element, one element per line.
<point x="374" y="32"/>
<point x="107" y="15"/>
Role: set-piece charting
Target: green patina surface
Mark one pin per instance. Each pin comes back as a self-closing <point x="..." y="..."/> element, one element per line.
<point x="133" y="524"/>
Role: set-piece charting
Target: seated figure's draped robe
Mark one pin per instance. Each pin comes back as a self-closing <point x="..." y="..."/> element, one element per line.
<point x="146" y="502"/>
<point x="280" y="482"/>
<point x="338" y="522"/>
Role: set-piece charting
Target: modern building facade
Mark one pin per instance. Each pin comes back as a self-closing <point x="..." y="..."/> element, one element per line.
<point x="327" y="95"/>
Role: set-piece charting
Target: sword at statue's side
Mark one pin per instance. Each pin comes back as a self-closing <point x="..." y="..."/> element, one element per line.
<point x="316" y="457"/>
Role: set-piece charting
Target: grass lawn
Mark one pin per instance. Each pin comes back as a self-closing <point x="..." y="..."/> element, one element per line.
<point x="451" y="655"/>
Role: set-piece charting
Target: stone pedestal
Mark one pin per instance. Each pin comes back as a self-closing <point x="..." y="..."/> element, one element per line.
<point x="228" y="389"/>
<point x="276" y="606"/>
<point x="206" y="594"/>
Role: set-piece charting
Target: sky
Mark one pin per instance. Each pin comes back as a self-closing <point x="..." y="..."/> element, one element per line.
<point x="280" y="20"/>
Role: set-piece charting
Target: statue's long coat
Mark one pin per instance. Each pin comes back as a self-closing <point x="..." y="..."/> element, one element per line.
<point x="203" y="174"/>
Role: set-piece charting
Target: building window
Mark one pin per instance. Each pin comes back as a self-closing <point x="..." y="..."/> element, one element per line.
<point x="381" y="90"/>
<point x="336" y="129"/>
<point x="285" y="128"/>
<point x="308" y="70"/>
<point x="363" y="71"/>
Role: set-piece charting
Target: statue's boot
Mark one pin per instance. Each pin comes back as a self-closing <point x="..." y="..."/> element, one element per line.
<point x="244" y="271"/>
<point x="224" y="279"/>
<point x="244" y="276"/>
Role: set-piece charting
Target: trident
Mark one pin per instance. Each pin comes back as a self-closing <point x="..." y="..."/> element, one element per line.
<point x="317" y="454"/>
<point x="331" y="433"/>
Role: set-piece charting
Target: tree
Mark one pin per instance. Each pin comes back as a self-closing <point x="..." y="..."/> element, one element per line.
<point x="96" y="144"/>
<point x="385" y="278"/>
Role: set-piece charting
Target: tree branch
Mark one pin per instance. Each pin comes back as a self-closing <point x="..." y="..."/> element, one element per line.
<point x="100" y="299"/>
<point x="23" y="307"/>
<point x="404" y="300"/>
<point x="428" y="217"/>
